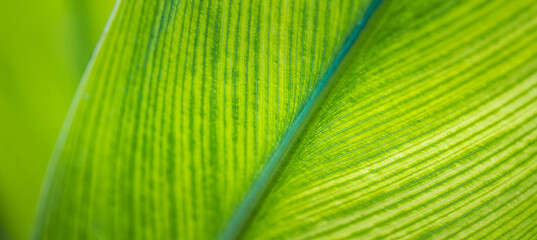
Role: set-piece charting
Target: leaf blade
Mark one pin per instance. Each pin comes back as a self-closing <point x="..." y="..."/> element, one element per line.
<point x="467" y="91"/>
<point x="159" y="144"/>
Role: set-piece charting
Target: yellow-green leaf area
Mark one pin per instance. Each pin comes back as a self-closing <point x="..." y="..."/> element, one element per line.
<point x="302" y="120"/>
<point x="180" y="107"/>
<point x="428" y="132"/>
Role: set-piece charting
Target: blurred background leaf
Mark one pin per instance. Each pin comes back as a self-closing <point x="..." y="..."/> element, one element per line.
<point x="44" y="48"/>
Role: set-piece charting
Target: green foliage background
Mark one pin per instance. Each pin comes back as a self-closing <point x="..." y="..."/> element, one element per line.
<point x="44" y="48"/>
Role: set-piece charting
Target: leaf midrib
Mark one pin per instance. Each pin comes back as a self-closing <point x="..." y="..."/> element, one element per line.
<point x="278" y="158"/>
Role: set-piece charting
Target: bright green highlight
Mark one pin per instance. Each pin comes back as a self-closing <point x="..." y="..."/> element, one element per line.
<point x="426" y="130"/>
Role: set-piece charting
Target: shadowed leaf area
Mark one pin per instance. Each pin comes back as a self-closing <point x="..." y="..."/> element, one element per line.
<point x="302" y="120"/>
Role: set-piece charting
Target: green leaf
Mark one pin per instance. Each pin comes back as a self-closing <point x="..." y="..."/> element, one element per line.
<point x="302" y="119"/>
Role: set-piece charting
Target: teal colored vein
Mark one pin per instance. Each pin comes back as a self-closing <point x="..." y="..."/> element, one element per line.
<point x="239" y="222"/>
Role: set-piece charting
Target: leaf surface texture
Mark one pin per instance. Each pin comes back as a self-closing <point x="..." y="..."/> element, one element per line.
<point x="426" y="127"/>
